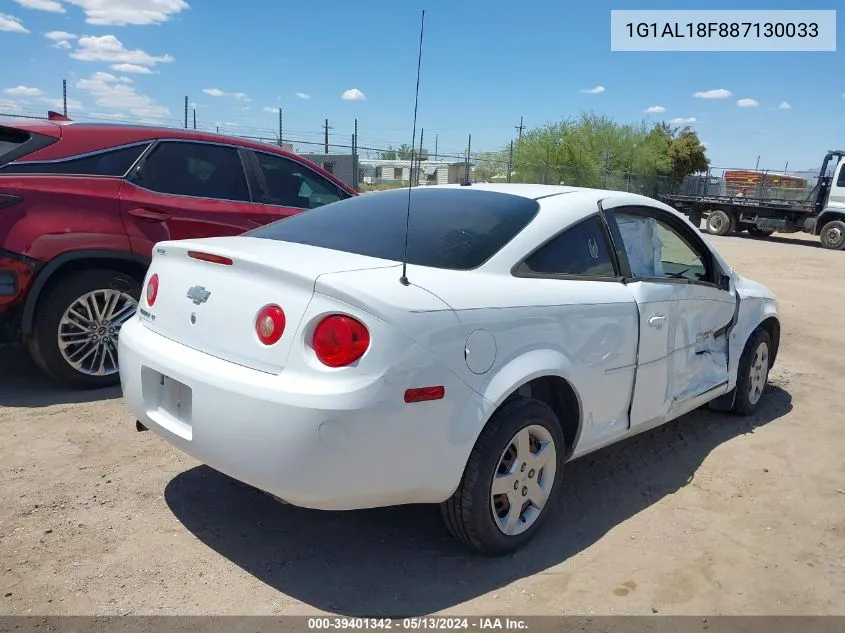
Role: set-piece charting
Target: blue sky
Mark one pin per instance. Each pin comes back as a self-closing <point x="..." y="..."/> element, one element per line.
<point x="485" y="64"/>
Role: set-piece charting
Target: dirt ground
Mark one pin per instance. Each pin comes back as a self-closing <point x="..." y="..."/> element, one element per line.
<point x="712" y="514"/>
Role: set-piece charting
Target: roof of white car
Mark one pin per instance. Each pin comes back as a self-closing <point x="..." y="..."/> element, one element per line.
<point x="538" y="192"/>
<point x="534" y="192"/>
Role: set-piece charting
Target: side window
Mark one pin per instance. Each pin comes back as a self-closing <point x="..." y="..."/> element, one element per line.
<point x="840" y="181"/>
<point x="289" y="184"/>
<point x="200" y="170"/>
<point x="580" y="250"/>
<point x="113" y="163"/>
<point x="655" y="249"/>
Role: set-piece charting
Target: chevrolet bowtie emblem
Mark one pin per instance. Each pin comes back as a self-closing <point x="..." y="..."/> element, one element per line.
<point x="198" y="294"/>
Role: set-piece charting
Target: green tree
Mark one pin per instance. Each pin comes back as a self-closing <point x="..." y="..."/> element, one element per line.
<point x="402" y="153"/>
<point x="595" y="151"/>
<point x="687" y="154"/>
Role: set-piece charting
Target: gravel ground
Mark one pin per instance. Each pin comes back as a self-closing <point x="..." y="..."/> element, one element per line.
<point x="711" y="514"/>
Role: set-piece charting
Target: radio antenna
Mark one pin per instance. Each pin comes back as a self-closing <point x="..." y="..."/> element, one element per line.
<point x="404" y="278"/>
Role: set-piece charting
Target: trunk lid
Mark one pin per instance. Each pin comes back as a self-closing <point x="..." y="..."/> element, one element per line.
<point x="219" y="319"/>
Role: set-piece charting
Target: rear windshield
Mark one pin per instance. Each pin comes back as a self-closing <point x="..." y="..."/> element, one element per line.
<point x="457" y="229"/>
<point x="10" y="139"/>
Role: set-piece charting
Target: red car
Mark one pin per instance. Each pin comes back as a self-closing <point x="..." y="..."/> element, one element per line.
<point x="81" y="206"/>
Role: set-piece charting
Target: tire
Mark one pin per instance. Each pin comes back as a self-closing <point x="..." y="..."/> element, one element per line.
<point x="753" y="371"/>
<point x="833" y="235"/>
<point x="719" y="223"/>
<point x="60" y="295"/>
<point x="755" y="232"/>
<point x="469" y="513"/>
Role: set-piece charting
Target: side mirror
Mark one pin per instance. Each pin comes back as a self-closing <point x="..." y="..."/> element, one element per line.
<point x="724" y="282"/>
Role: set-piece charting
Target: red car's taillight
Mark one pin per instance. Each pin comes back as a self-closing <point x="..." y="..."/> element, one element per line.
<point x="270" y="324"/>
<point x="152" y="290"/>
<point x="340" y="340"/>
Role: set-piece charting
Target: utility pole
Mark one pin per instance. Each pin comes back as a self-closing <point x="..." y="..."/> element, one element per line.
<point x="326" y="129"/>
<point x="355" y="157"/>
<point x="186" y="113"/>
<point x="64" y="95"/>
<point x="469" y="149"/>
<point x="436" y="138"/>
<point x="419" y="156"/>
<point x="195" y="118"/>
<point x="281" y="135"/>
<point x="510" y="162"/>
<point x="519" y="128"/>
<point x="785" y="167"/>
<point x="757" y="165"/>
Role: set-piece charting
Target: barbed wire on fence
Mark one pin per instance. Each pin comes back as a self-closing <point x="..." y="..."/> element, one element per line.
<point x="364" y="166"/>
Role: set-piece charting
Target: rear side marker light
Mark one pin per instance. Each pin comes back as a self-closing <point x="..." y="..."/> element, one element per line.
<point x="422" y="394"/>
<point x="210" y="257"/>
<point x="270" y="324"/>
<point x="340" y="340"/>
<point x="152" y="290"/>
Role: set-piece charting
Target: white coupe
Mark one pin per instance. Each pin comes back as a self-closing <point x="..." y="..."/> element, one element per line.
<point x="535" y="324"/>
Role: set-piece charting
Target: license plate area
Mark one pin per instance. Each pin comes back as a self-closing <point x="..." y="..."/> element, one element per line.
<point x="168" y="402"/>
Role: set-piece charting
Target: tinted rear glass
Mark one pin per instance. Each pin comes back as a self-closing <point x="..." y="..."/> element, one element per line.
<point x="10" y="138"/>
<point x="114" y="163"/>
<point x="458" y="229"/>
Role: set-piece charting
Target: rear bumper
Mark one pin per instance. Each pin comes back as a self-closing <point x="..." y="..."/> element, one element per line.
<point x="297" y="437"/>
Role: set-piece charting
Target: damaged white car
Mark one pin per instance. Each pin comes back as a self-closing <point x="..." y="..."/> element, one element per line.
<point x="330" y="362"/>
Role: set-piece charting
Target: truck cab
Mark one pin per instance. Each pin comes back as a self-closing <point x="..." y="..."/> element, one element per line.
<point x="830" y="224"/>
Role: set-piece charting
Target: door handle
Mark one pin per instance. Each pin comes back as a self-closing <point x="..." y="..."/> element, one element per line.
<point x="149" y="214"/>
<point x="656" y="320"/>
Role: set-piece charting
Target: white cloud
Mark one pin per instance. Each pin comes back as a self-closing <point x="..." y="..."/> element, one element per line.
<point x="109" y="49"/>
<point x="246" y="108"/>
<point x="42" y="5"/>
<point x="655" y="110"/>
<point x="131" y="68"/>
<point x="269" y="109"/>
<point x="22" y="91"/>
<point x="353" y="94"/>
<point x="58" y="104"/>
<point x="117" y="116"/>
<point x="7" y="105"/>
<point x="11" y="24"/>
<point x="747" y="103"/>
<point x="61" y="39"/>
<point x="719" y="93"/>
<point x="302" y="95"/>
<point x="784" y="106"/>
<point x="593" y="91"/>
<point x="109" y="92"/>
<point x="124" y="12"/>
<point x="216" y="92"/>
<point x="683" y="121"/>
<point x="58" y="36"/>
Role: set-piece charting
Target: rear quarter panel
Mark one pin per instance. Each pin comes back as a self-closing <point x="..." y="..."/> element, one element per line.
<point x="61" y="214"/>
<point x="585" y="332"/>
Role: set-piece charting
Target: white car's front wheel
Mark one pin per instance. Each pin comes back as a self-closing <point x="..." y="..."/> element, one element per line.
<point x="509" y="479"/>
<point x="753" y="372"/>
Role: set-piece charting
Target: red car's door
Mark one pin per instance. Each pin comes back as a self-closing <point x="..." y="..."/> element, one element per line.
<point x="287" y="187"/>
<point x="187" y="189"/>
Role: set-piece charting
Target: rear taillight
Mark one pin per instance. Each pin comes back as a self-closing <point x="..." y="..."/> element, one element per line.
<point x="152" y="290"/>
<point x="270" y="324"/>
<point x="340" y="340"/>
